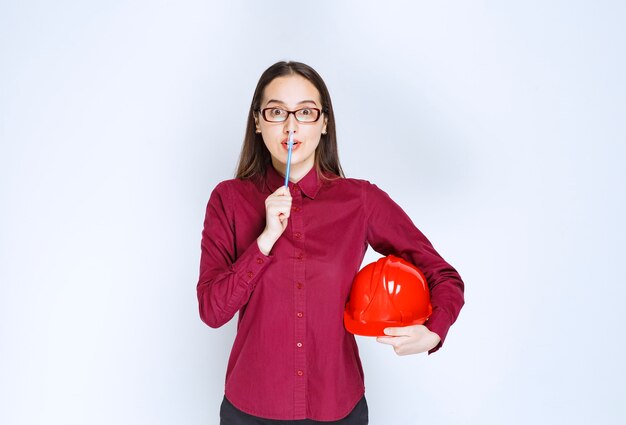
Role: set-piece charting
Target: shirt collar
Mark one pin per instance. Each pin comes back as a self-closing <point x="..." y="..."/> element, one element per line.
<point x="309" y="184"/>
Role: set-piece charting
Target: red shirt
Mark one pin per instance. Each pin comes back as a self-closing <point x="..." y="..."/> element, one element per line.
<point x="292" y="357"/>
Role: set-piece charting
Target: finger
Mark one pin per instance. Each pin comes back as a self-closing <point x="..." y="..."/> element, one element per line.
<point x="386" y="340"/>
<point x="282" y="201"/>
<point x="396" y="332"/>
<point x="278" y="205"/>
<point x="398" y="344"/>
<point x="285" y="204"/>
<point x="283" y="191"/>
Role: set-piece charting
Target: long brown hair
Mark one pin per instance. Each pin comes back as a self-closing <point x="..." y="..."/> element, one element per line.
<point x="255" y="158"/>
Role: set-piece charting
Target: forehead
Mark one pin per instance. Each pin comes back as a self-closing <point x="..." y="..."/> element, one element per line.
<point x="291" y="90"/>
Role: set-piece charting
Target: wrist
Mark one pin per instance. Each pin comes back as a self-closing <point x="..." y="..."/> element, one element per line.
<point x="265" y="243"/>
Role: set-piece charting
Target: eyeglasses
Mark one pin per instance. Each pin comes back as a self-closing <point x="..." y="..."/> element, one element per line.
<point x="304" y="115"/>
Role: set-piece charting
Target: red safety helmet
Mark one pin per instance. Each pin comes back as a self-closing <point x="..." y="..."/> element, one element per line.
<point x="387" y="293"/>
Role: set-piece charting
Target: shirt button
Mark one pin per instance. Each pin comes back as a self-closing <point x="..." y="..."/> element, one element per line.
<point x="300" y="373"/>
<point x="259" y="260"/>
<point x="300" y="256"/>
<point x="299" y="285"/>
<point x="298" y="234"/>
<point x="296" y="209"/>
<point x="296" y="188"/>
<point x="299" y="345"/>
<point x="300" y="314"/>
<point x="250" y="274"/>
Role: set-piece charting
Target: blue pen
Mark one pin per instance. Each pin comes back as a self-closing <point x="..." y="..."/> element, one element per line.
<point x="290" y="147"/>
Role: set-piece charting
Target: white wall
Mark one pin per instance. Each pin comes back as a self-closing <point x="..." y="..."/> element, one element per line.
<point x="502" y="135"/>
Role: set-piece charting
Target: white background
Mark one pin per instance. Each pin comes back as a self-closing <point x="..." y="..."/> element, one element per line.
<point x="499" y="126"/>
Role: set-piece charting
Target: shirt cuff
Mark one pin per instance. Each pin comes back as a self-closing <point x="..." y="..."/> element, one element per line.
<point x="439" y="322"/>
<point x="251" y="264"/>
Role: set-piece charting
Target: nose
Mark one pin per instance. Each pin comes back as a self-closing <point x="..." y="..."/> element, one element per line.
<point x="291" y="124"/>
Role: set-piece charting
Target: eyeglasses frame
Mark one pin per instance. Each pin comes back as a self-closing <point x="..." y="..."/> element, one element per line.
<point x="320" y="112"/>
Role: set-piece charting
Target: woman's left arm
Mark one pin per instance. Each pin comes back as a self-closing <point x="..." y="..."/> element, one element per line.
<point x="391" y="231"/>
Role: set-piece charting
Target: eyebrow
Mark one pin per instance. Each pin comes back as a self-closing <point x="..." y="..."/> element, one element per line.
<point x="299" y="103"/>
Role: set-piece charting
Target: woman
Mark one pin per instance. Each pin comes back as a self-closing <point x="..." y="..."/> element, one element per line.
<point x="285" y="258"/>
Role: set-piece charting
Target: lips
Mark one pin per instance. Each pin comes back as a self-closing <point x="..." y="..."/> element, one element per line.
<point x="296" y="144"/>
<point x="286" y="140"/>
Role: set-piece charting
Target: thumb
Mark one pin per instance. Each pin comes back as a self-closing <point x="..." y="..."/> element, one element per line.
<point x="398" y="331"/>
<point x="391" y="331"/>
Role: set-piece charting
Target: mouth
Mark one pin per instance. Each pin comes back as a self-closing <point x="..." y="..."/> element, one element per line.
<point x="296" y="144"/>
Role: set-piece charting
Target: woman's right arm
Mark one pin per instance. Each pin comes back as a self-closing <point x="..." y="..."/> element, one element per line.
<point x="225" y="283"/>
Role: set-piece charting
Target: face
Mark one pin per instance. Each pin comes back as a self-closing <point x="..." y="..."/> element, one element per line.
<point x="290" y="93"/>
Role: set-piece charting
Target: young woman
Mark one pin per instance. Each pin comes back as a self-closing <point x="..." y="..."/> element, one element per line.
<point x="285" y="257"/>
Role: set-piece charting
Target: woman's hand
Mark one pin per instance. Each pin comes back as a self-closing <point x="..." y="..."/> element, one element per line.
<point x="410" y="339"/>
<point x="277" y="210"/>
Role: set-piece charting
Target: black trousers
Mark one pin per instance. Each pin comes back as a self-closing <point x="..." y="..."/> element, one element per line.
<point x="230" y="415"/>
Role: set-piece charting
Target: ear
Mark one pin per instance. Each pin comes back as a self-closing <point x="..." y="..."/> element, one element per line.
<point x="256" y="123"/>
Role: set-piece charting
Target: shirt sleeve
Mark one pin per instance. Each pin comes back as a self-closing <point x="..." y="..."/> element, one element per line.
<point x="225" y="283"/>
<point x="391" y="231"/>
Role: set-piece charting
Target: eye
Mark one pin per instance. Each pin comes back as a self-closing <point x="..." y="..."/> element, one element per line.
<point x="277" y="112"/>
<point x="306" y="111"/>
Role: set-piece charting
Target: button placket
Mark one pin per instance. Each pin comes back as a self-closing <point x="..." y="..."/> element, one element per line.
<point x="298" y="238"/>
